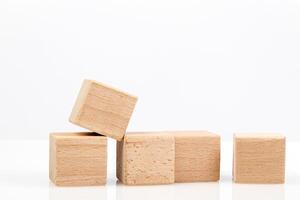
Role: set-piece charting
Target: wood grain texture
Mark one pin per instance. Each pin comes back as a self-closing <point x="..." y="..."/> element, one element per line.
<point x="146" y="158"/>
<point x="259" y="158"/>
<point x="197" y="156"/>
<point x="103" y="109"/>
<point x="77" y="159"/>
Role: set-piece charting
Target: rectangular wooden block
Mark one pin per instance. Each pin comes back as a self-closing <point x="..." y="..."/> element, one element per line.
<point x="197" y="156"/>
<point x="146" y="158"/>
<point x="77" y="159"/>
<point x="103" y="109"/>
<point x="259" y="158"/>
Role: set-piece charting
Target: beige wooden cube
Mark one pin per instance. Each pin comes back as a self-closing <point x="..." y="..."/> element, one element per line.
<point x="259" y="158"/>
<point x="146" y="158"/>
<point x="197" y="156"/>
<point x="77" y="159"/>
<point x="103" y="109"/>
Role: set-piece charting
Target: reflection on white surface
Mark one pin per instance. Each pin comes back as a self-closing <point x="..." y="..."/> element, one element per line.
<point x="157" y="192"/>
<point x="191" y="191"/>
<point x="256" y="191"/>
<point x="177" y="191"/>
<point x="77" y="193"/>
<point x="118" y="191"/>
<point x="207" y="191"/>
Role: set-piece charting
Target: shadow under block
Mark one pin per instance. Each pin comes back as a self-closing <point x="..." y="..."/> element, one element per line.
<point x="146" y="159"/>
<point x="259" y="158"/>
<point x="197" y="156"/>
<point x="78" y="159"/>
<point x="103" y="109"/>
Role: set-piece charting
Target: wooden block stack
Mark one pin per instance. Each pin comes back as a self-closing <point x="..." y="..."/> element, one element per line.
<point x="148" y="158"/>
<point x="80" y="158"/>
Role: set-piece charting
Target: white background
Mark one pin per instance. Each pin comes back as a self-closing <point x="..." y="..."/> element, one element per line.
<point x="224" y="66"/>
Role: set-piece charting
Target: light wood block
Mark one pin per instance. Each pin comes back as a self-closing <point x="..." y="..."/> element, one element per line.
<point x="146" y="158"/>
<point x="197" y="156"/>
<point x="103" y="109"/>
<point x="259" y="158"/>
<point x="77" y="159"/>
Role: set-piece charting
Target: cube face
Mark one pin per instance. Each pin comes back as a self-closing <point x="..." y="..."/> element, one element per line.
<point x="78" y="159"/>
<point x="146" y="159"/>
<point x="259" y="158"/>
<point x="197" y="156"/>
<point x="103" y="109"/>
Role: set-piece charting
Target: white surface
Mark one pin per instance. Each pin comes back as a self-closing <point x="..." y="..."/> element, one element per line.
<point x="24" y="175"/>
<point x="225" y="66"/>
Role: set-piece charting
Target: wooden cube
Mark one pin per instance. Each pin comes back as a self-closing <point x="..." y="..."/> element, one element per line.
<point x="197" y="156"/>
<point x="103" y="109"/>
<point x="146" y="159"/>
<point x="77" y="159"/>
<point x="259" y="158"/>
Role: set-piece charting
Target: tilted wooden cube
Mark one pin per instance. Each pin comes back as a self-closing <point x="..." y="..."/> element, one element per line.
<point x="103" y="109"/>
<point x="146" y="159"/>
<point x="259" y="158"/>
<point x="197" y="156"/>
<point x="77" y="159"/>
